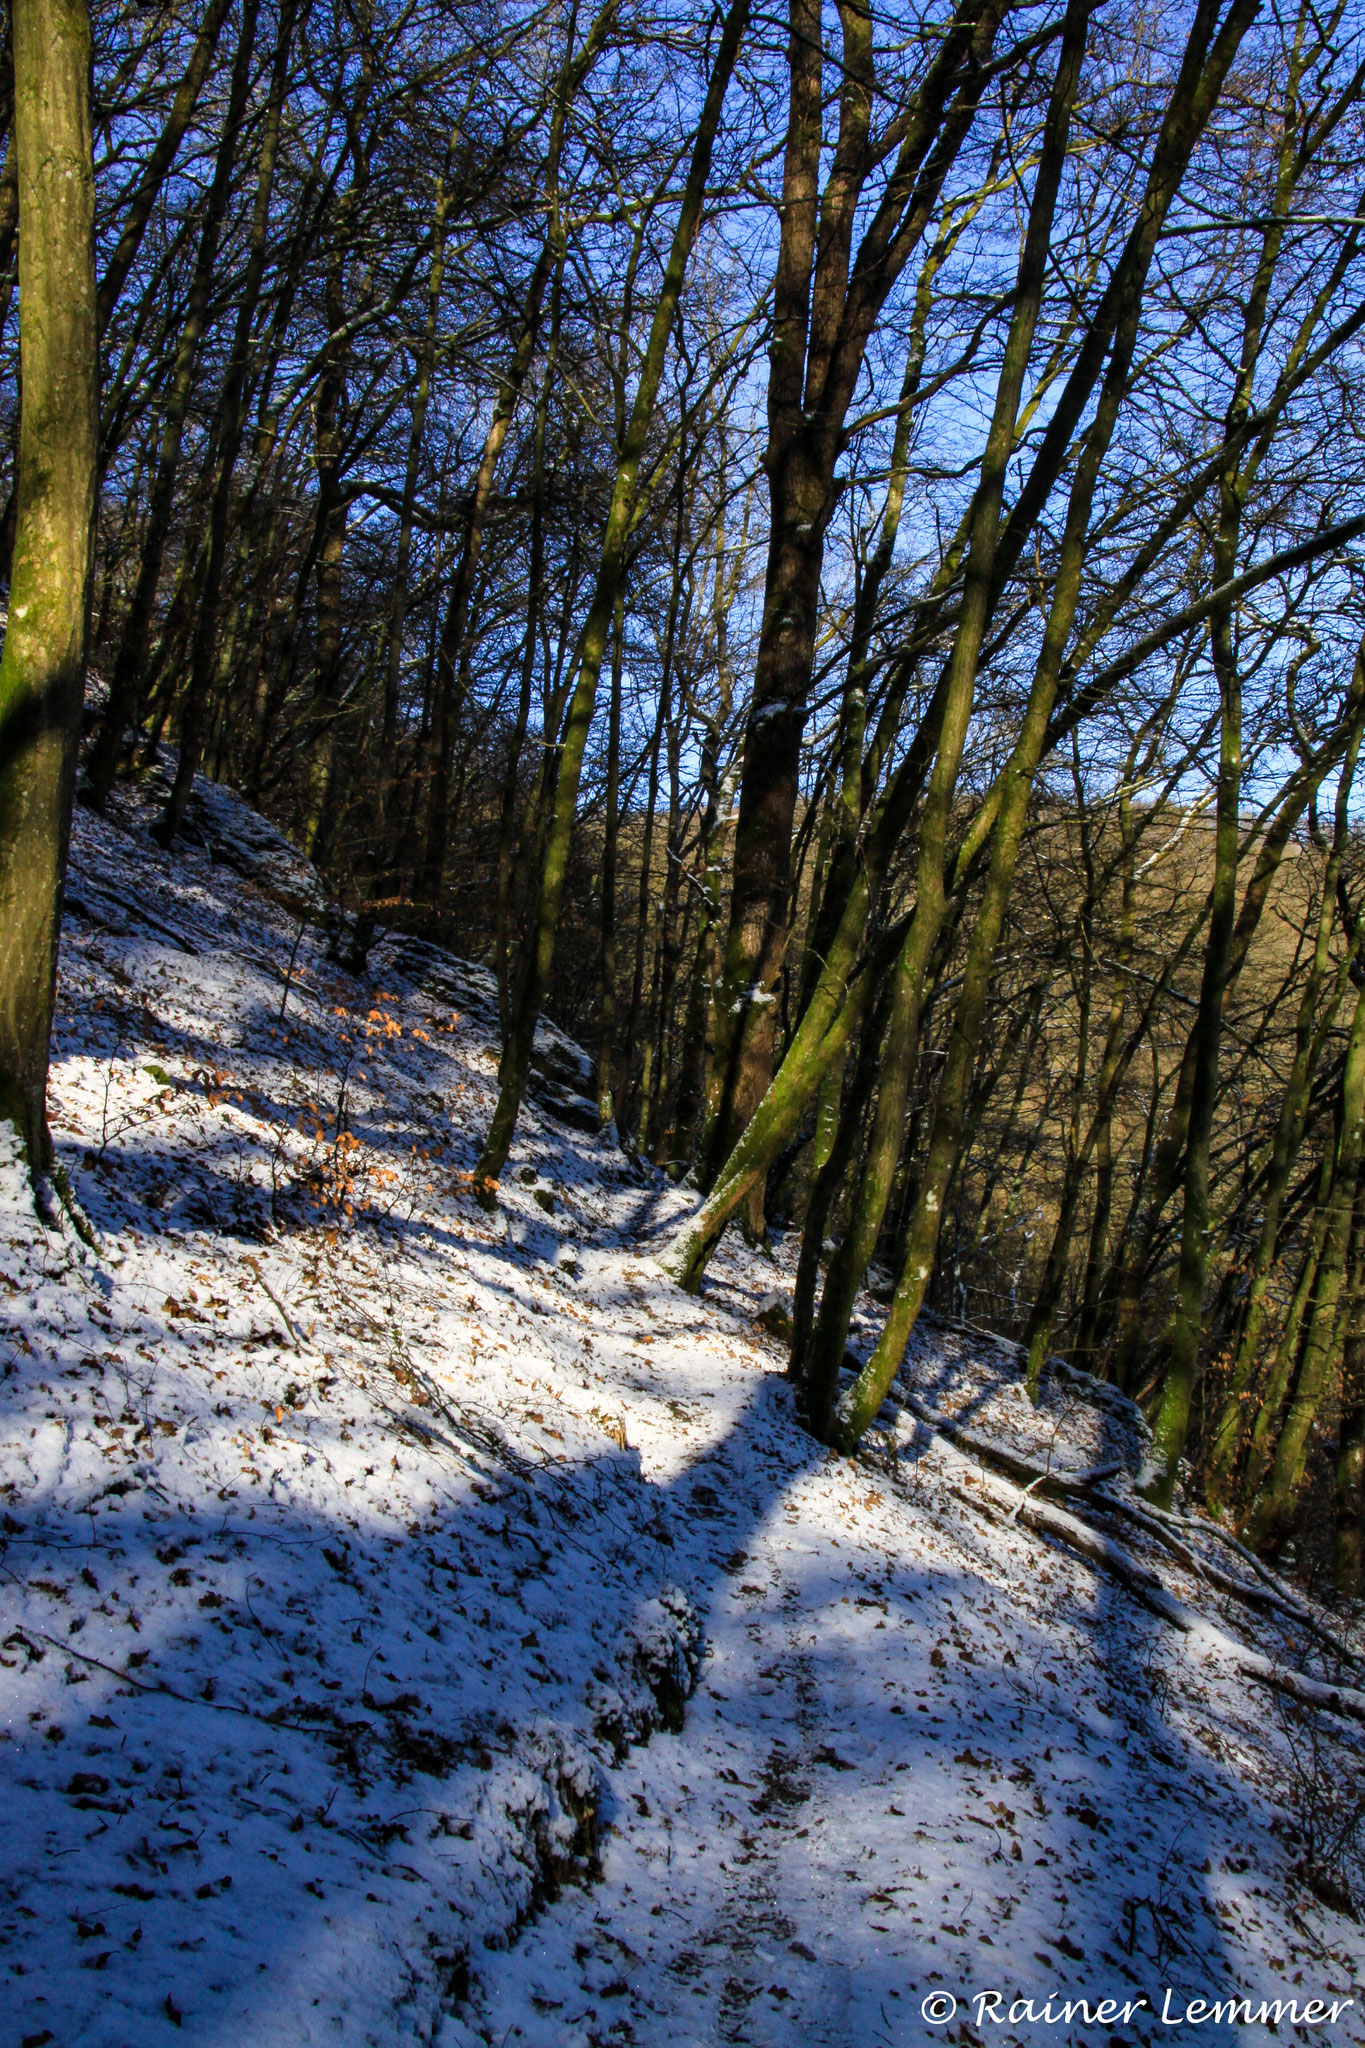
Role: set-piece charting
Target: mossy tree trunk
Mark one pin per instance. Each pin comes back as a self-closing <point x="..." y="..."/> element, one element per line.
<point x="1113" y="1065"/>
<point x="1270" y="1406"/>
<point x="503" y="948"/>
<point x="838" y="1136"/>
<point x="42" y="669"/>
<point x="611" y="824"/>
<point x="1162" y="1180"/>
<point x="828" y="294"/>
<point x="1173" y="1416"/>
<point x="717" y="792"/>
<point x="824" y="1025"/>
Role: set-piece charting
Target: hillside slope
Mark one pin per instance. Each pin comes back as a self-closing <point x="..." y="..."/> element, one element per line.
<point x="422" y="1625"/>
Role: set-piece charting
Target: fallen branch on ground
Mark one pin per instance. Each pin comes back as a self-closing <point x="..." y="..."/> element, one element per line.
<point x="1088" y="1486"/>
<point x="1046" y="1520"/>
<point x="1269" y="1597"/>
<point x="1139" y="1578"/>
<point x="1309" y="1692"/>
<point x="1289" y="1600"/>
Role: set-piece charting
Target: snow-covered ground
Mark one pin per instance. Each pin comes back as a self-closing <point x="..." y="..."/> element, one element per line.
<point x="426" y="1625"/>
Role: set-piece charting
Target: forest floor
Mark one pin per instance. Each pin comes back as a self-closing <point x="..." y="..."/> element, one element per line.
<point x="425" y="1625"/>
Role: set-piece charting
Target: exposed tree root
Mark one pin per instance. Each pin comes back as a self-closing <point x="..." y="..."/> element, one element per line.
<point x="54" y="1198"/>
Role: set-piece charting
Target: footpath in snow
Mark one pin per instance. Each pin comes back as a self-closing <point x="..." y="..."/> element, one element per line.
<point x="420" y="1625"/>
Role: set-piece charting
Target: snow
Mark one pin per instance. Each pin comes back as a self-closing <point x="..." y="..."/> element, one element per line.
<point x="426" y="1625"/>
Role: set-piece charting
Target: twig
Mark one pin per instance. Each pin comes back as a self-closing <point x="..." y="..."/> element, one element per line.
<point x="293" y="956"/>
<point x="185" y="1699"/>
<point x="1018" y="1510"/>
<point x="265" y="1284"/>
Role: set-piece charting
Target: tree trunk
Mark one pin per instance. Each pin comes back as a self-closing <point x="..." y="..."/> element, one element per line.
<point x="631" y="1085"/>
<point x="654" y="1131"/>
<point x="838" y="1131"/>
<point x="451" y="650"/>
<point x="824" y="1026"/>
<point x="1173" y="1416"/>
<point x="42" y="668"/>
<point x="231" y="422"/>
<point x="333" y="506"/>
<point x="1282" y="1369"/>
<point x="1038" y="1333"/>
<point x="332" y="511"/>
<point x="9" y="177"/>
<point x="1169" y="1151"/>
<point x="1185" y="118"/>
<point x="1310" y="1035"/>
<point x="606" y="1051"/>
<point x="507" y="812"/>
<point x="398" y="598"/>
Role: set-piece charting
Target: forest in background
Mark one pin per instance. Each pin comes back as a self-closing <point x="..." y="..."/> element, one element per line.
<point x="827" y="552"/>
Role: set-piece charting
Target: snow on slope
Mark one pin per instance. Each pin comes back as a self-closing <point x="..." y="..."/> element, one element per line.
<point x="422" y="1625"/>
